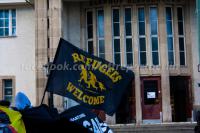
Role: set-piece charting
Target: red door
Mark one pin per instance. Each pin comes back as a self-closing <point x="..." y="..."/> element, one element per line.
<point x="151" y="98"/>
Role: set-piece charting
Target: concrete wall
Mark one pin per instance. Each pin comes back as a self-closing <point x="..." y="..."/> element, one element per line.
<point x="195" y="54"/>
<point x="71" y="22"/>
<point x="71" y="30"/>
<point x="17" y="54"/>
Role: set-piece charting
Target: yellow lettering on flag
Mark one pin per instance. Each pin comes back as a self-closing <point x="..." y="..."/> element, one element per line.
<point x="97" y="65"/>
<point x="75" y="57"/>
<point x="70" y="87"/>
<point x="79" y="94"/>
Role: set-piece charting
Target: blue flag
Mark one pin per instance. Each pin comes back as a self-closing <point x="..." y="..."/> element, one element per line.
<point x="87" y="79"/>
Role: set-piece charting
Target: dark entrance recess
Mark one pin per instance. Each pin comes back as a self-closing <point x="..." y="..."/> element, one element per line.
<point x="126" y="111"/>
<point x="181" y="94"/>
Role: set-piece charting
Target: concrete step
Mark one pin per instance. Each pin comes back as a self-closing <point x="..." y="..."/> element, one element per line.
<point x="154" y="128"/>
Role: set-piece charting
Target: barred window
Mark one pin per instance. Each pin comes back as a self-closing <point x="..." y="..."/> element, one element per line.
<point x="170" y="37"/>
<point x="100" y="33"/>
<point x="123" y="17"/>
<point x="142" y="37"/>
<point x="181" y="36"/>
<point x="116" y="35"/>
<point x="8" y="89"/>
<point x="154" y="35"/>
<point x="128" y="36"/>
<point x="90" y="32"/>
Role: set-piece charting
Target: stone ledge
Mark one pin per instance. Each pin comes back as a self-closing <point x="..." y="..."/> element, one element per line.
<point x="179" y="127"/>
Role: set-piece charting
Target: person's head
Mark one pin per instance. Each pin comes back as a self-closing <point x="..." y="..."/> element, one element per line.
<point x="22" y="101"/>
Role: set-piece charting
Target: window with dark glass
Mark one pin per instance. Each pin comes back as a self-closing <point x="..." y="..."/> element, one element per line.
<point x="13" y="16"/>
<point x="116" y="35"/>
<point x="182" y="51"/>
<point x="8" y="89"/>
<point x="154" y="35"/>
<point x="170" y="44"/>
<point x="181" y="36"/>
<point x="128" y="36"/>
<point x="142" y="37"/>
<point x="100" y="33"/>
<point x="7" y="22"/>
<point x="90" y="48"/>
<point x="141" y="18"/>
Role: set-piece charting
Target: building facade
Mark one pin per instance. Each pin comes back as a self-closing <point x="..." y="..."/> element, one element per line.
<point x="157" y="39"/>
<point x="17" y="49"/>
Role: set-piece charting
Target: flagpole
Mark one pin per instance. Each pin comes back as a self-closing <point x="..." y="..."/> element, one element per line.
<point x="51" y="105"/>
<point x="43" y="97"/>
<point x="50" y="96"/>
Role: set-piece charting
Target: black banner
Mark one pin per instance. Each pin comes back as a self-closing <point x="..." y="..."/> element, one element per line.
<point x="89" y="80"/>
<point x="86" y="118"/>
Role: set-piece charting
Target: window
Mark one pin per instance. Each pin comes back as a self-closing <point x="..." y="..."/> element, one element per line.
<point x="8" y="89"/>
<point x="181" y="36"/>
<point x="170" y="37"/>
<point x="100" y="33"/>
<point x="142" y="37"/>
<point x="128" y="37"/>
<point x="7" y="23"/>
<point x="154" y="35"/>
<point x="90" y="32"/>
<point x="116" y="36"/>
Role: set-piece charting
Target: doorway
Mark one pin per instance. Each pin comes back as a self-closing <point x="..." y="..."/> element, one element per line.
<point x="180" y="92"/>
<point x="151" y="99"/>
<point x="126" y="111"/>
